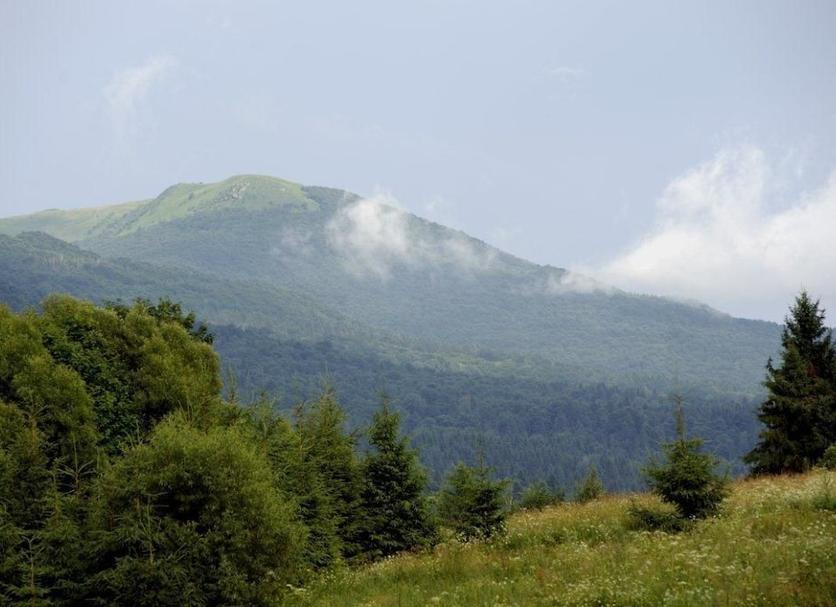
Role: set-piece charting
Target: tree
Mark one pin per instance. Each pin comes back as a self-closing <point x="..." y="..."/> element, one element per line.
<point x="193" y="517"/>
<point x="687" y="478"/>
<point x="471" y="503"/>
<point x="394" y="514"/>
<point x="327" y="448"/>
<point x="799" y="413"/>
<point x="591" y="488"/>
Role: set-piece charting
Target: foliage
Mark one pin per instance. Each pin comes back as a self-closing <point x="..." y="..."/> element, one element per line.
<point x="200" y="521"/>
<point x="539" y="420"/>
<point x="687" y="479"/>
<point x="539" y="495"/>
<point x="591" y="488"/>
<point x="828" y="460"/>
<point x="125" y="479"/>
<point x="327" y="448"/>
<point x="394" y="514"/>
<point x="655" y="519"/>
<point x="770" y="548"/>
<point x="800" y="413"/>
<point x="472" y="504"/>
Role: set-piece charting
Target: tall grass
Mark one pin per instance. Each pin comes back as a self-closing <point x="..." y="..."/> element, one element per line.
<point x="773" y="544"/>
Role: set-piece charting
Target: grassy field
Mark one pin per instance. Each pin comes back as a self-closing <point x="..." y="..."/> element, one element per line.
<point x="774" y="544"/>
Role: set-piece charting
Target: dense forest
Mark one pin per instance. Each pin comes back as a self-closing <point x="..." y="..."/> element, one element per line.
<point x="129" y="476"/>
<point x="538" y="417"/>
<point x="126" y="479"/>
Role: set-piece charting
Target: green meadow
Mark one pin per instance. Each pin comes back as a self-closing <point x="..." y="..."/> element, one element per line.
<point x="773" y="544"/>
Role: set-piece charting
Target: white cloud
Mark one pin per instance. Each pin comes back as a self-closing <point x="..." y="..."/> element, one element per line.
<point x="374" y="237"/>
<point x="716" y="239"/>
<point x="128" y="89"/>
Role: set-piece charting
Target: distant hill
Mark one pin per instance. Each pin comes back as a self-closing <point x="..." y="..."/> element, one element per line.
<point x="548" y="371"/>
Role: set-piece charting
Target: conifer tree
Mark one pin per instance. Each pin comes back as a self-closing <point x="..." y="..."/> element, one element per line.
<point x="395" y="513"/>
<point x="329" y="449"/>
<point x="799" y="414"/>
<point x="687" y="479"/>
<point x="591" y="488"/>
<point x="471" y="502"/>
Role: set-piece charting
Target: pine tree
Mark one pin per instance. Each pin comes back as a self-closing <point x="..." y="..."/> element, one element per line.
<point x="687" y="479"/>
<point x="471" y="502"/>
<point x="395" y="513"/>
<point x="799" y="414"/>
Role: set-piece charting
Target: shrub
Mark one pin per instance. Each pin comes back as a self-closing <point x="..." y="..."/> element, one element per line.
<point x="655" y="519"/>
<point x="828" y="460"/>
<point x="591" y="488"/>
<point x="539" y="495"/>
<point x="193" y="517"/>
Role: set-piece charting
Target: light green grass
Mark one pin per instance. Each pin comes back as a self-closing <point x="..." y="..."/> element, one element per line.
<point x="71" y="225"/>
<point x="771" y="546"/>
<point x="251" y="192"/>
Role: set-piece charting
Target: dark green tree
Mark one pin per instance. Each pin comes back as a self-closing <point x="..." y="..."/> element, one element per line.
<point x="395" y="513"/>
<point x="327" y="448"/>
<point x="799" y="415"/>
<point x="472" y="503"/>
<point x="193" y="517"/>
<point x="296" y="474"/>
<point x="687" y="478"/>
<point x="591" y="488"/>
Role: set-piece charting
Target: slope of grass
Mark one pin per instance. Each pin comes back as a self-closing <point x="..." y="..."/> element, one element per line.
<point x="71" y="225"/>
<point x="774" y="544"/>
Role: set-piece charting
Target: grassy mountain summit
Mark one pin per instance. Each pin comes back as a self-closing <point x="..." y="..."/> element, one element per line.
<point x="392" y="271"/>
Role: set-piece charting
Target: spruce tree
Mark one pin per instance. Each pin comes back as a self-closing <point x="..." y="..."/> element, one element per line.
<point x="799" y="414"/>
<point x="591" y="488"/>
<point x="687" y="479"/>
<point x="471" y="502"/>
<point x="329" y="449"/>
<point x="395" y="514"/>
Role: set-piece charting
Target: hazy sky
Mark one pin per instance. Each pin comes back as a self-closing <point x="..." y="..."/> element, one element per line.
<point x="685" y="149"/>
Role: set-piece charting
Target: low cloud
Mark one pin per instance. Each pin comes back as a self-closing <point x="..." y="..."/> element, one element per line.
<point x="128" y="90"/>
<point x="720" y="237"/>
<point x="572" y="282"/>
<point x="375" y="237"/>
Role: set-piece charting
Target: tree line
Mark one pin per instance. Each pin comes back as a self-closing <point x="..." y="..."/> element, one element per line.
<point x="127" y="477"/>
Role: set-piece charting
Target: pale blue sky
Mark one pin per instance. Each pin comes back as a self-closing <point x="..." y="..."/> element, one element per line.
<point x="669" y="147"/>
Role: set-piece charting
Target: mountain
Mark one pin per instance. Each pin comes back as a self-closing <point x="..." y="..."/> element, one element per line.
<point x="548" y="370"/>
<point x="393" y="271"/>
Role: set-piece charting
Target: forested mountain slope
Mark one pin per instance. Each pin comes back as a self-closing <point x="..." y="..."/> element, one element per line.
<point x="390" y="270"/>
<point x="547" y="371"/>
<point x="532" y="420"/>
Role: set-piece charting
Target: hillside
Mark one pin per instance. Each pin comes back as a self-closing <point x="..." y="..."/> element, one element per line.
<point x="548" y="371"/>
<point x="532" y="419"/>
<point x="773" y="545"/>
<point x="396" y="272"/>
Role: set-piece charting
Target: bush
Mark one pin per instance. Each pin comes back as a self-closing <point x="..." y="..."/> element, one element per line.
<point x="539" y="495"/>
<point x="655" y="519"/>
<point x="591" y="488"/>
<point x="193" y="517"/>
<point x="828" y="460"/>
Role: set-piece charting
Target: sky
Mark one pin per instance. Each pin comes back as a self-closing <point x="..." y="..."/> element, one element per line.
<point x="685" y="149"/>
